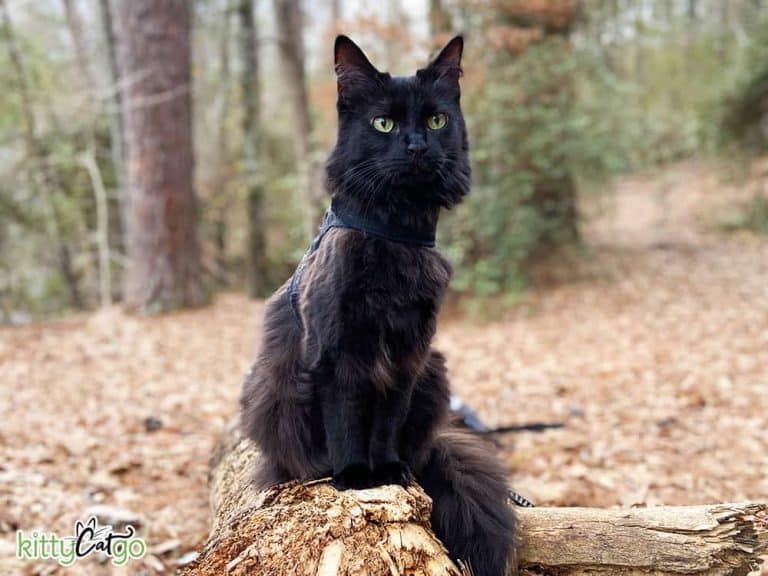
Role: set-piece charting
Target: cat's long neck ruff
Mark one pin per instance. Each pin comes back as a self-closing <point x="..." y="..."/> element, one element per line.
<point x="413" y="223"/>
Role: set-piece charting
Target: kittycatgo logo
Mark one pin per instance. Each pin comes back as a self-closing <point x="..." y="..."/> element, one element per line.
<point x="89" y="537"/>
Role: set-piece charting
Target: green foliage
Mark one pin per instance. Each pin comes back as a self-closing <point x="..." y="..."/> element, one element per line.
<point x="631" y="87"/>
<point x="47" y="205"/>
<point x="745" y="108"/>
<point x="535" y="132"/>
<point x="628" y="90"/>
<point x="752" y="217"/>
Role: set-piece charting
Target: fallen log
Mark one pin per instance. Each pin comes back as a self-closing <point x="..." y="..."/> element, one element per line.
<point x="312" y="529"/>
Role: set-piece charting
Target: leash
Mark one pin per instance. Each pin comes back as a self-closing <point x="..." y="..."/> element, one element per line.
<point x="519" y="500"/>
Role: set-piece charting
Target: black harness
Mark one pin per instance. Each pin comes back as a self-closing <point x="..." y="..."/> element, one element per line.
<point x="337" y="217"/>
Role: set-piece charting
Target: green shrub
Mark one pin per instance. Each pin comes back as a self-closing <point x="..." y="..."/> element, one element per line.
<point x="534" y="138"/>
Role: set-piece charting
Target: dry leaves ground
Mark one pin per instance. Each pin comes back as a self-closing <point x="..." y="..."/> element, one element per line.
<point x="656" y="358"/>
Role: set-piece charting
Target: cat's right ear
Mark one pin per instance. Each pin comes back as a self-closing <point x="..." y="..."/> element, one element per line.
<point x="353" y="69"/>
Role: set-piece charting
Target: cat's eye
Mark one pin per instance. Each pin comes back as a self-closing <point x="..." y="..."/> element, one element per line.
<point x="437" y="121"/>
<point x="383" y="124"/>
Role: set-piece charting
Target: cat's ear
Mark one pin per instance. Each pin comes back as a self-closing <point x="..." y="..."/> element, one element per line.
<point x="447" y="64"/>
<point x="352" y="67"/>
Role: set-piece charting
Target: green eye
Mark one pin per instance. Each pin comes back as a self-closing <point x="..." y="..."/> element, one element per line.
<point x="383" y="124"/>
<point x="437" y="121"/>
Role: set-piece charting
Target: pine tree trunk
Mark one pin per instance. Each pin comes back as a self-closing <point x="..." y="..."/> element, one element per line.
<point x="337" y="12"/>
<point x="439" y="21"/>
<point x="220" y="205"/>
<point x="289" y="27"/>
<point x="256" y="249"/>
<point x="75" y="26"/>
<point x="116" y="127"/>
<point x="163" y="250"/>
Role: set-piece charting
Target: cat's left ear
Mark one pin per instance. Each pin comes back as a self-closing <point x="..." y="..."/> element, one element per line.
<point x="353" y="69"/>
<point x="447" y="64"/>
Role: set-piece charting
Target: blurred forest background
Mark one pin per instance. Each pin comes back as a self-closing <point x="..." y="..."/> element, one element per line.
<point x="159" y="152"/>
<point x="155" y="154"/>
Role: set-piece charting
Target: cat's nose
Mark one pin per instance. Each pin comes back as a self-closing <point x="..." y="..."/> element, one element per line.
<point x="417" y="146"/>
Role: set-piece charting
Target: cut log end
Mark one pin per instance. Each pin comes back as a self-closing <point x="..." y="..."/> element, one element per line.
<point x="311" y="528"/>
<point x="314" y="530"/>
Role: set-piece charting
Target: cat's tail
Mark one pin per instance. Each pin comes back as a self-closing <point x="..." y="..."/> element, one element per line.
<point x="470" y="507"/>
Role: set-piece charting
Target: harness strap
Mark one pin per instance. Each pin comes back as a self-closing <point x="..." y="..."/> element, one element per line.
<point x="387" y="231"/>
<point x="336" y="217"/>
<point x="330" y="221"/>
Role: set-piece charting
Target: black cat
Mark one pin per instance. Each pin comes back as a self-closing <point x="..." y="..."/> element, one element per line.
<point x="346" y="383"/>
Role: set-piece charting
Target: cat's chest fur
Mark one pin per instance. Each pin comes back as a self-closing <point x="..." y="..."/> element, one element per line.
<point x="391" y="277"/>
<point x="392" y="300"/>
<point x="375" y="298"/>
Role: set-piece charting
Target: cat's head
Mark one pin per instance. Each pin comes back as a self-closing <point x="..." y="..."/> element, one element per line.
<point x="402" y="140"/>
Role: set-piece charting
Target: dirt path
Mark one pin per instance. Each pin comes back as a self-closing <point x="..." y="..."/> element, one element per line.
<point x="657" y="361"/>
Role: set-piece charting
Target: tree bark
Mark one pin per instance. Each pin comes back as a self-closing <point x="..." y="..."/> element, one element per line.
<point x="19" y="70"/>
<point x="440" y="23"/>
<point x="288" y="14"/>
<point x="162" y="242"/>
<point x="256" y="250"/>
<point x="75" y="26"/>
<point x="337" y="12"/>
<point x="312" y="529"/>
<point x="116" y="125"/>
<point x="220" y="204"/>
<point x="88" y="159"/>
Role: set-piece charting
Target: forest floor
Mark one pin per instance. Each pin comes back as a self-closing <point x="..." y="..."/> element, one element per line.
<point x="654" y="353"/>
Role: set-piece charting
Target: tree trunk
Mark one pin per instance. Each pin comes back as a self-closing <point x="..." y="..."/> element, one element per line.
<point x="163" y="251"/>
<point x="439" y="21"/>
<point x="75" y="26"/>
<point x="288" y="14"/>
<point x="692" y="10"/>
<point x="116" y="128"/>
<point x="337" y="13"/>
<point x="220" y="204"/>
<point x="312" y="529"/>
<point x="256" y="250"/>
<point x="555" y="200"/>
<point x="14" y="56"/>
<point x="88" y="159"/>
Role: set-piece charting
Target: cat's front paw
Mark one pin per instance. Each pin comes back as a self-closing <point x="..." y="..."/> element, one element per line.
<point x="353" y="477"/>
<point x="396" y="472"/>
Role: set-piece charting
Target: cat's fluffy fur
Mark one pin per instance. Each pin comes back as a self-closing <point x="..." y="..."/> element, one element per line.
<point x="355" y="390"/>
